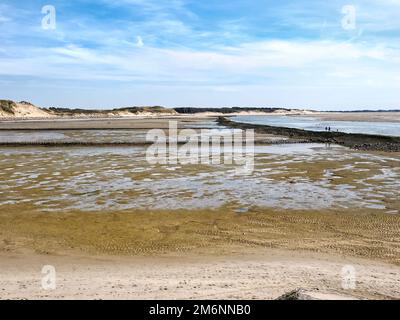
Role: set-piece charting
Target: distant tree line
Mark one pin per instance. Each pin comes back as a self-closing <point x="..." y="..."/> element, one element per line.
<point x="226" y="110"/>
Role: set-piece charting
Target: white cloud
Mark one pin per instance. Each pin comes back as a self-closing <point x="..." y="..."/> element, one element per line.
<point x="287" y="62"/>
<point x="139" y="42"/>
<point x="167" y="45"/>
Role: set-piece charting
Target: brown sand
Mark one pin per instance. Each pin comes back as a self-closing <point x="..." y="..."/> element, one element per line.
<point x="203" y="254"/>
<point x="368" y="234"/>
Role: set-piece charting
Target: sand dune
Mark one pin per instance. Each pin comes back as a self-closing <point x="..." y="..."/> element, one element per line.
<point x="11" y="109"/>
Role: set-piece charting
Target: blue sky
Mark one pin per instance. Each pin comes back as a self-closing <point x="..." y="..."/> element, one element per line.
<point x="114" y="53"/>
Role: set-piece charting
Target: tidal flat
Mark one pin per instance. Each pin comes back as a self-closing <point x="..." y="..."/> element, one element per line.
<point x="110" y="200"/>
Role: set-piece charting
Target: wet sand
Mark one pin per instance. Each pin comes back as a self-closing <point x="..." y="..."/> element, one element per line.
<point x="366" y="234"/>
<point x="291" y="176"/>
<point x="206" y="254"/>
<point x="100" y="124"/>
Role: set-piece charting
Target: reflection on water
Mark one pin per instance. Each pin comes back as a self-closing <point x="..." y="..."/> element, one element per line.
<point x="299" y="176"/>
<point x="315" y="124"/>
<point x="297" y="148"/>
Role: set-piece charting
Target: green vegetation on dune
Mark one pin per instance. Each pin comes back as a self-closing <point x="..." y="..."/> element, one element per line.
<point x="7" y="106"/>
<point x="155" y="109"/>
<point x="133" y="110"/>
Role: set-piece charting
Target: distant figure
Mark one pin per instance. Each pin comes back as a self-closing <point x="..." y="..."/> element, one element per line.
<point x="326" y="128"/>
<point x="329" y="129"/>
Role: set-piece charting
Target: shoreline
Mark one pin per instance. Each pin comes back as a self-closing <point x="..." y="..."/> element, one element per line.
<point x="357" y="141"/>
<point x="363" y="116"/>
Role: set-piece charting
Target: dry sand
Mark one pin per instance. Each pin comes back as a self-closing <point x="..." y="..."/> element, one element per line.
<point x="243" y="274"/>
<point x="24" y="110"/>
<point x="358" y="116"/>
<point x="329" y="116"/>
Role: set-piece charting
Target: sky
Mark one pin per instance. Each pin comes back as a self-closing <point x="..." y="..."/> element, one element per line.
<point x="311" y="54"/>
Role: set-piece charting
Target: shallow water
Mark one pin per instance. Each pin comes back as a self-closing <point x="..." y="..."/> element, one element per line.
<point x="315" y="124"/>
<point x="98" y="136"/>
<point x="73" y="135"/>
<point x="298" y="176"/>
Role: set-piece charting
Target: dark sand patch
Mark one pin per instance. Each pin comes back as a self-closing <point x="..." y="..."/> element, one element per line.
<point x="346" y="232"/>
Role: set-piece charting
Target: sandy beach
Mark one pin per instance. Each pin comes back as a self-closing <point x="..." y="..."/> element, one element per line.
<point x="164" y="150"/>
<point x="199" y="255"/>
<point x="239" y="274"/>
<point x="358" y="116"/>
<point x="115" y="227"/>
